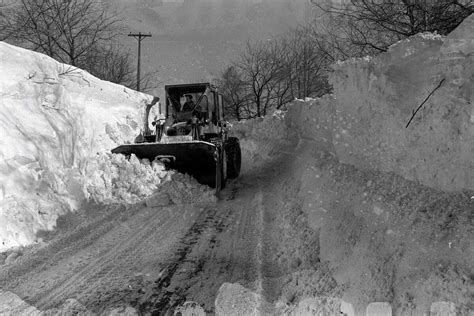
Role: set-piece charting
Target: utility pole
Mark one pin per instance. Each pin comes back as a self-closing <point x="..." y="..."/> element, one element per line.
<point x="140" y="37"/>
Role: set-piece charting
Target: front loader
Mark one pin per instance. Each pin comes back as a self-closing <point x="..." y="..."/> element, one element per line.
<point x="192" y="137"/>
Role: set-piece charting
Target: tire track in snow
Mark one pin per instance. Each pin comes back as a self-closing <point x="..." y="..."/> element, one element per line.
<point x="220" y="247"/>
<point x="259" y="226"/>
<point x="130" y="256"/>
<point x="158" y="299"/>
<point x="96" y="270"/>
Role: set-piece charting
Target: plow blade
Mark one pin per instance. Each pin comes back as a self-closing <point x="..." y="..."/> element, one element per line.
<point x="197" y="158"/>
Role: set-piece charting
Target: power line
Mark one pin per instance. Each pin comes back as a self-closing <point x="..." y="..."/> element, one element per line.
<point x="139" y="37"/>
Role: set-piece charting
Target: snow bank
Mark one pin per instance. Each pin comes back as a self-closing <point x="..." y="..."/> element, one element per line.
<point x="54" y="120"/>
<point x="313" y="120"/>
<point x="260" y="139"/>
<point x="375" y="99"/>
<point x="364" y="123"/>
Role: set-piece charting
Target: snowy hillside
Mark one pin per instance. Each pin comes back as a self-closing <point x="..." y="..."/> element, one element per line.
<point x="53" y="119"/>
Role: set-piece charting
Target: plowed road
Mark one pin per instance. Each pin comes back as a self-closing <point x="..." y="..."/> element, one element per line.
<point x="155" y="259"/>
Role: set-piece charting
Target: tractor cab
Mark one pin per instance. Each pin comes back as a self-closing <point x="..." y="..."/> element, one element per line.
<point x="197" y="107"/>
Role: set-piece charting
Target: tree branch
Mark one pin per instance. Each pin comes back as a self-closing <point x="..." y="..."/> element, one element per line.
<point x="416" y="111"/>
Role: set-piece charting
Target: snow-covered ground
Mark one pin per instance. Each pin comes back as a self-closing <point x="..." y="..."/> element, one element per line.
<point x="57" y="124"/>
<point x="316" y="221"/>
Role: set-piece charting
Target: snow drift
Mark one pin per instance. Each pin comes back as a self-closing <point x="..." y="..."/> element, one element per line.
<point x="375" y="99"/>
<point x="364" y="122"/>
<point x="56" y="123"/>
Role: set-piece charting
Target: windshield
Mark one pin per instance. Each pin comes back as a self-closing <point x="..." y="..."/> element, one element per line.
<point x="185" y="99"/>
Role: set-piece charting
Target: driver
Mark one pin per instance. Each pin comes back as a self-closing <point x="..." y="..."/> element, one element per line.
<point x="189" y="104"/>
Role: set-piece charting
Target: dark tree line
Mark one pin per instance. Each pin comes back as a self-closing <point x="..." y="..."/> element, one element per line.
<point x="76" y="32"/>
<point x="270" y="74"/>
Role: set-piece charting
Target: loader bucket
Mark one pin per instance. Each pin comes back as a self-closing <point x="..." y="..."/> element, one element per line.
<point x="196" y="158"/>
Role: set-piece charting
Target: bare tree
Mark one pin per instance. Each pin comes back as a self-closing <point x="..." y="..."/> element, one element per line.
<point x="259" y="68"/>
<point x="233" y="89"/>
<point x="306" y="64"/>
<point x="269" y="74"/>
<point x="64" y="30"/>
<point x="6" y="27"/>
<point x="359" y="27"/>
<point x="148" y="81"/>
<point x="279" y="88"/>
<point x="109" y="63"/>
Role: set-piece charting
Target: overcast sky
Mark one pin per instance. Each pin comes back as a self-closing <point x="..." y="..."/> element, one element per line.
<point x="194" y="40"/>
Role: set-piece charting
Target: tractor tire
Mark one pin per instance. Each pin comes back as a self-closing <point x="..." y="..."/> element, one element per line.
<point x="221" y="172"/>
<point x="234" y="157"/>
<point x="224" y="175"/>
<point x="218" y="180"/>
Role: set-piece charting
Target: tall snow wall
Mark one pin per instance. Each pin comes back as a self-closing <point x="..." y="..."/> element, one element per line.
<point x="374" y="99"/>
<point x="54" y="121"/>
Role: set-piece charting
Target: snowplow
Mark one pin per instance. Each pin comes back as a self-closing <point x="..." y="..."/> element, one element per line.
<point x="191" y="136"/>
